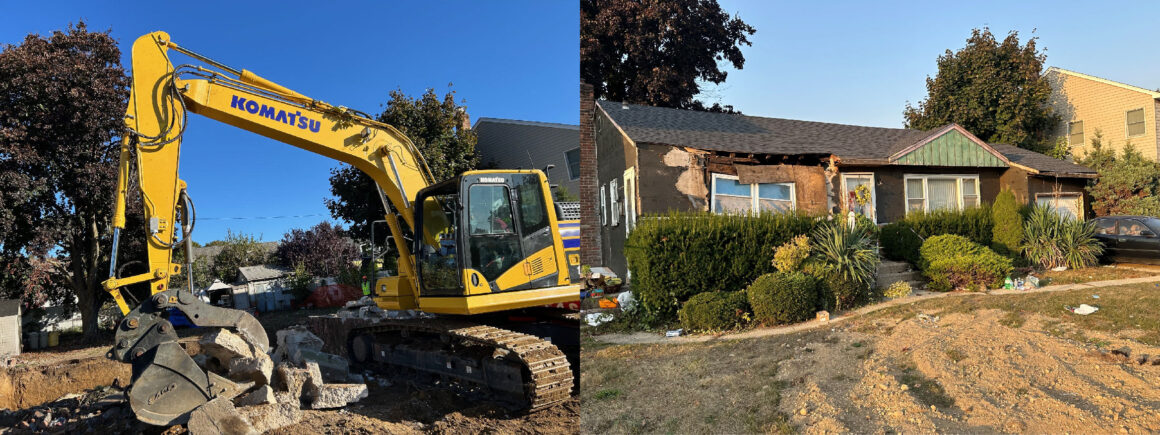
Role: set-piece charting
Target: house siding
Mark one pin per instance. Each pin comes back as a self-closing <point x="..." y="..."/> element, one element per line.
<point x="10" y="328"/>
<point x="1103" y="106"/>
<point x="617" y="153"/>
<point x="508" y="144"/>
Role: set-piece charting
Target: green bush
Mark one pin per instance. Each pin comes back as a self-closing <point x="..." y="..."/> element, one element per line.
<point x="1007" y="234"/>
<point x="783" y="297"/>
<point x="789" y="257"/>
<point x="1053" y="240"/>
<point x="946" y="246"/>
<point x="899" y="289"/>
<point x="900" y="242"/>
<point x="715" y="311"/>
<point x="974" y="223"/>
<point x="676" y="256"/>
<point x="835" y="292"/>
<point x="970" y="272"/>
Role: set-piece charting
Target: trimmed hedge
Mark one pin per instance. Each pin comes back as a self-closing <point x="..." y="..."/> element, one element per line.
<point x="900" y="242"/>
<point x="714" y="311"/>
<point x="783" y="297"/>
<point x="953" y="262"/>
<point x="1007" y="234"/>
<point x="678" y="255"/>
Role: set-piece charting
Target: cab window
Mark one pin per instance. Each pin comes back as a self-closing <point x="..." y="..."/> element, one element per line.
<point x="492" y="239"/>
<point x="533" y="213"/>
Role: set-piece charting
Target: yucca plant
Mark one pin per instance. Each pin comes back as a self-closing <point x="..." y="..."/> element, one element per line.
<point x="1053" y="240"/>
<point x="850" y="251"/>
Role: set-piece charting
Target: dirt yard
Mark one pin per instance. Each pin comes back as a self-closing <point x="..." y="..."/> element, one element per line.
<point x="72" y="388"/>
<point x="977" y="363"/>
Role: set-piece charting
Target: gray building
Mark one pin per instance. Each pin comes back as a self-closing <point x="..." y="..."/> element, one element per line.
<point x="513" y="144"/>
<point x="262" y="287"/>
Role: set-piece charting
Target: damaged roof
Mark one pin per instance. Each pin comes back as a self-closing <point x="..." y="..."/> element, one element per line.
<point x="260" y="273"/>
<point x="760" y="135"/>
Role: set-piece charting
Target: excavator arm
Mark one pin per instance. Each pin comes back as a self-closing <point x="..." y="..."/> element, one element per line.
<point x="167" y="384"/>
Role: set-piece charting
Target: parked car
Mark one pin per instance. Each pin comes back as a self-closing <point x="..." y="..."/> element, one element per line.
<point x="1129" y="238"/>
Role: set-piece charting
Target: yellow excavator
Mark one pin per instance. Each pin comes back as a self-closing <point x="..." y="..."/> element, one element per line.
<point x="481" y="253"/>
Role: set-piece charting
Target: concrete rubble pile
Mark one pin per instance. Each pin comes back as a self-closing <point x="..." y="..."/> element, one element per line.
<point x="295" y="375"/>
<point x="365" y="308"/>
<point x="99" y="410"/>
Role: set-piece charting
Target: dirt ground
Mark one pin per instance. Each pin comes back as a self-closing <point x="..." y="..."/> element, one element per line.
<point x="975" y="364"/>
<point x="70" y="386"/>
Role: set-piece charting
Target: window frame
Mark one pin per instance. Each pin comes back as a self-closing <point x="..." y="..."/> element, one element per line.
<point x="1056" y="196"/>
<point x="567" y="162"/>
<point x="926" y="189"/>
<point x="1143" y="122"/>
<point x="614" y="201"/>
<point x="754" y="198"/>
<point x="873" y="191"/>
<point x="1082" y="138"/>
<point x="603" y="208"/>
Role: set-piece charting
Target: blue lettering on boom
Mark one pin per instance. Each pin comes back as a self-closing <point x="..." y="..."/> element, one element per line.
<point x="291" y="119"/>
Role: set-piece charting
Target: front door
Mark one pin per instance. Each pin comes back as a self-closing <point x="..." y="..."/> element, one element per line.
<point x="858" y="194"/>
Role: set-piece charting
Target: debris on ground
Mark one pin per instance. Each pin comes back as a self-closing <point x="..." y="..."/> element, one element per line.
<point x="927" y="318"/>
<point x="218" y="416"/>
<point x="674" y="333"/>
<point x="626" y="301"/>
<point x="597" y="319"/>
<point x="1082" y="309"/>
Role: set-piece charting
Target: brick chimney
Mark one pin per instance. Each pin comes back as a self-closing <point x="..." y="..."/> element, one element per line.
<point x="465" y="121"/>
<point x="589" y="192"/>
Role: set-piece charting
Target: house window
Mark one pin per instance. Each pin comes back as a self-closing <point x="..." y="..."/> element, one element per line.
<point x="941" y="192"/>
<point x="603" y="208"/>
<point x="572" y="158"/>
<point x="1075" y="133"/>
<point x="1135" y="122"/>
<point x="730" y="196"/>
<point x="614" y="201"/>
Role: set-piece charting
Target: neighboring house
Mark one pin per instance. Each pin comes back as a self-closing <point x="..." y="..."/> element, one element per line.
<point x="10" y="331"/>
<point x="512" y="144"/>
<point x="654" y="160"/>
<point x="1122" y="113"/>
<point x="263" y="288"/>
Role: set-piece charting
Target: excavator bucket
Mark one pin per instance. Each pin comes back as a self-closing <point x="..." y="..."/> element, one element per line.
<point x="167" y="384"/>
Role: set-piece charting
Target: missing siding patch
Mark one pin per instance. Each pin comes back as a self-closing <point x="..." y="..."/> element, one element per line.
<point x="691" y="182"/>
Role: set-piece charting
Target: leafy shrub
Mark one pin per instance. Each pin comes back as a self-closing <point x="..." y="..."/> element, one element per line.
<point x="676" y="256"/>
<point x="789" y="257"/>
<point x="1053" y="240"/>
<point x="946" y="246"/>
<point x="899" y="289"/>
<point x="851" y="252"/>
<point x="972" y="271"/>
<point x="715" y="311"/>
<point x="900" y="242"/>
<point x="952" y="262"/>
<point x="783" y="297"/>
<point x="1007" y="234"/>
<point x="835" y="291"/>
<point x="974" y="223"/>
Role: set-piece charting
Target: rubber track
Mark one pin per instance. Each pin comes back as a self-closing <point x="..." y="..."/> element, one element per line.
<point x="551" y="374"/>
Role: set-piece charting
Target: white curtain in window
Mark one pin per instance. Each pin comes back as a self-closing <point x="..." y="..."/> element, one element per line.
<point x="944" y="194"/>
<point x="914" y="198"/>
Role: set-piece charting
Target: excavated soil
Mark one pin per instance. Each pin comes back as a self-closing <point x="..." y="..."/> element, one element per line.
<point x="970" y="373"/>
<point x="42" y="377"/>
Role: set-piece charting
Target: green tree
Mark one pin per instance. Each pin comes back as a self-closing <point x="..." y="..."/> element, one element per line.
<point x="240" y="250"/>
<point x="437" y="127"/>
<point x="62" y="99"/>
<point x="562" y="194"/>
<point x="1007" y="234"/>
<point x="202" y="271"/>
<point x="993" y="89"/>
<point x="1128" y="183"/>
<point x="656" y="52"/>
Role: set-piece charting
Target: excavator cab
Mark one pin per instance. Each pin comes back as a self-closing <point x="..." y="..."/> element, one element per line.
<point x="488" y="238"/>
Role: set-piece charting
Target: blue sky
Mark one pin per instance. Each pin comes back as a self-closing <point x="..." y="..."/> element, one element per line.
<point x="510" y="59"/>
<point x="860" y="62"/>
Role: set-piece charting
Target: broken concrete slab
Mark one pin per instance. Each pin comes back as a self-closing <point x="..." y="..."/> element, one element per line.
<point x="261" y="396"/>
<point x="291" y="379"/>
<point x="314" y="375"/>
<point x="284" y="397"/>
<point x="257" y="369"/>
<point x="334" y="368"/>
<point x="265" y="418"/>
<point x="225" y="346"/>
<point x="293" y="339"/>
<point x="336" y="395"/>
<point x="218" y="416"/>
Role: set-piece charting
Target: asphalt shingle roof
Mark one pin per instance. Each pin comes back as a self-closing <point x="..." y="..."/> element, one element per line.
<point x="759" y="135"/>
<point x="1043" y="163"/>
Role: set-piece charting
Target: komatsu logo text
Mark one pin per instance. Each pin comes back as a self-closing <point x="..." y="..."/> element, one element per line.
<point x="282" y="116"/>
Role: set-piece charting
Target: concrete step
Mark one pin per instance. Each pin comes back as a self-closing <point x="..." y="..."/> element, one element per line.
<point x="888" y="278"/>
<point x="887" y="267"/>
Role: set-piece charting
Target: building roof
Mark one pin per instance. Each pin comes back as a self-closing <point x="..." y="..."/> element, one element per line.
<point x="1043" y="164"/>
<point x="1149" y="92"/>
<point x="9" y="307"/>
<point x="485" y="120"/>
<point x="760" y="135"/>
<point x="261" y="273"/>
<point x="209" y="252"/>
